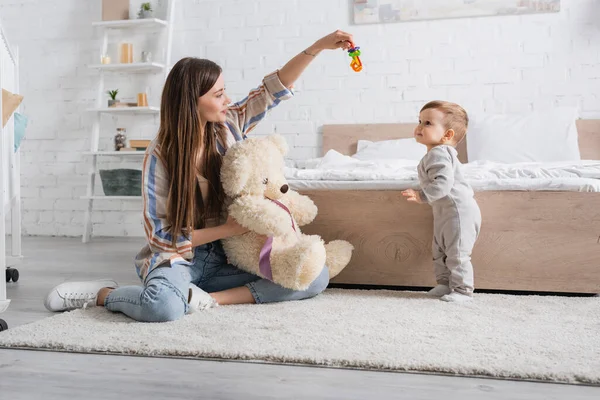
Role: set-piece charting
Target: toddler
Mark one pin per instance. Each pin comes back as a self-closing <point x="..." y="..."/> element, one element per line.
<point x="456" y="215"/>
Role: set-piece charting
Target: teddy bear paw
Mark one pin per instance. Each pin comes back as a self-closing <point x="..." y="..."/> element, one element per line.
<point x="339" y="253"/>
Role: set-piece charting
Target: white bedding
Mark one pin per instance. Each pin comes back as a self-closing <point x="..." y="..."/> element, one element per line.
<point x="336" y="171"/>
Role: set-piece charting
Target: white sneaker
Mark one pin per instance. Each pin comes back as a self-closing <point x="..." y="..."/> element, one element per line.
<point x="71" y="295"/>
<point x="456" y="297"/>
<point x="439" y="291"/>
<point x="198" y="299"/>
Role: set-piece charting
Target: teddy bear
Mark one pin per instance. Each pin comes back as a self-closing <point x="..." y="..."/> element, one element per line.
<point x="260" y="199"/>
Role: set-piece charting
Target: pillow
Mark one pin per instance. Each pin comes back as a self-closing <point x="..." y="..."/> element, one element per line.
<point x="362" y="144"/>
<point x="406" y="149"/>
<point x="539" y="136"/>
<point x="10" y="102"/>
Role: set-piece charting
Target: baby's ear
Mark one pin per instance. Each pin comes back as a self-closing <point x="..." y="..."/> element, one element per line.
<point x="279" y="142"/>
<point x="235" y="172"/>
<point x="449" y="135"/>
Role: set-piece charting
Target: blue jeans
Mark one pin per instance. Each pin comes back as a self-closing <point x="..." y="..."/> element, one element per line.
<point x="164" y="296"/>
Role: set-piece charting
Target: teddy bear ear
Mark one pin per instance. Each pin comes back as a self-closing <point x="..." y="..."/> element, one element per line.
<point x="279" y="142"/>
<point x="235" y="173"/>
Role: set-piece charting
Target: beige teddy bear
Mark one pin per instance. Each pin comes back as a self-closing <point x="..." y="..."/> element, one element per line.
<point x="261" y="200"/>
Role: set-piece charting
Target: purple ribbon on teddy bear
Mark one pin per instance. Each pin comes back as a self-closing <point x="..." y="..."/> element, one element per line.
<point x="264" y="261"/>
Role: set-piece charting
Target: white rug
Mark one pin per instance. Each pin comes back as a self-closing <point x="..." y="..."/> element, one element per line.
<point x="525" y="337"/>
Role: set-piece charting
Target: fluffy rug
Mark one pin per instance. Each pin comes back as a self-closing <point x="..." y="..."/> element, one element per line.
<point x="525" y="337"/>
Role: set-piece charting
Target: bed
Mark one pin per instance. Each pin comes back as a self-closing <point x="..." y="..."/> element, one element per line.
<point x="541" y="241"/>
<point x="10" y="175"/>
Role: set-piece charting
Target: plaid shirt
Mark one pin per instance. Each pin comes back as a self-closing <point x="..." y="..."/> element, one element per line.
<point x="242" y="117"/>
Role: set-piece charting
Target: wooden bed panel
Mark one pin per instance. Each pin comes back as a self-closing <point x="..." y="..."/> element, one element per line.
<point x="588" y="131"/>
<point x="392" y="240"/>
<point x="535" y="241"/>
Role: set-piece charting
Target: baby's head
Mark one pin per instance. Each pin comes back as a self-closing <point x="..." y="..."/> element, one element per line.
<point x="441" y="122"/>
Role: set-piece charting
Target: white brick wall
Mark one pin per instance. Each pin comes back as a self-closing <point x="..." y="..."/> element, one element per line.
<point x="487" y="64"/>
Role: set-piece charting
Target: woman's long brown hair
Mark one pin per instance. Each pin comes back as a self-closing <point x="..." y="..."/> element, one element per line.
<point x="181" y="136"/>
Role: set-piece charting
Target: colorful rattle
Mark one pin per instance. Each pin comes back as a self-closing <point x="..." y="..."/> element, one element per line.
<point x="354" y="52"/>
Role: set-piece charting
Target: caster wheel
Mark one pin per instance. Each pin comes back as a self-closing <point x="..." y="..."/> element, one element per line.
<point x="3" y="325"/>
<point x="14" y="273"/>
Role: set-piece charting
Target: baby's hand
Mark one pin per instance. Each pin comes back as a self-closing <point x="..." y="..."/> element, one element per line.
<point x="412" y="195"/>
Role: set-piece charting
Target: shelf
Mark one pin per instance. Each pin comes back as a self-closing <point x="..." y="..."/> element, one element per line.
<point x="133" y="67"/>
<point x="126" y="110"/>
<point x="111" y="197"/>
<point x="132" y="23"/>
<point x="115" y="153"/>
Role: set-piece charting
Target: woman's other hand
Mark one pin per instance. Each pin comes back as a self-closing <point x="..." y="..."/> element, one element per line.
<point x="233" y="227"/>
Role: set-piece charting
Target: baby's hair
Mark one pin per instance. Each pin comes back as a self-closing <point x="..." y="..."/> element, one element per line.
<point x="456" y="117"/>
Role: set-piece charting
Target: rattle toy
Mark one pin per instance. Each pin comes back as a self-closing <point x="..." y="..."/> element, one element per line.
<point x="354" y="52"/>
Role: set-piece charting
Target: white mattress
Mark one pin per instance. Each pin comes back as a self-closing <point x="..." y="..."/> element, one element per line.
<point x="338" y="172"/>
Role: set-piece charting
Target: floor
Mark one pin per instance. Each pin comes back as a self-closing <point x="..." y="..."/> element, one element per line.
<point x="29" y="374"/>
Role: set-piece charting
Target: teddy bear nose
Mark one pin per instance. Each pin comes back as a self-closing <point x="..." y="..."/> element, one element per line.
<point x="284" y="188"/>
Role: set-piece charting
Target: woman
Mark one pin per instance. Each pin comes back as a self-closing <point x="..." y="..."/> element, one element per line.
<point x="183" y="266"/>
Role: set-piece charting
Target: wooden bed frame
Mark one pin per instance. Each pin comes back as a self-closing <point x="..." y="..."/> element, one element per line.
<point x="529" y="241"/>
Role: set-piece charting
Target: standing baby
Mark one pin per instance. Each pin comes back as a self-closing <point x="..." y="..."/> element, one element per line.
<point x="456" y="215"/>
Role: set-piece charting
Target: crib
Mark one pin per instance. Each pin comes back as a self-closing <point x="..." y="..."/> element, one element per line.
<point x="9" y="176"/>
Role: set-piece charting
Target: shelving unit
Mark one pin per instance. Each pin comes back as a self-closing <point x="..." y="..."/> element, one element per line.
<point x="151" y="23"/>
<point x="112" y="197"/>
<point x="115" y="153"/>
<point x="133" y="68"/>
<point x="126" y="26"/>
<point x="126" y="110"/>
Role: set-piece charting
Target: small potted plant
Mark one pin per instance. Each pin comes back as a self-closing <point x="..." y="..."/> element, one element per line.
<point x="145" y="10"/>
<point x="113" y="97"/>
